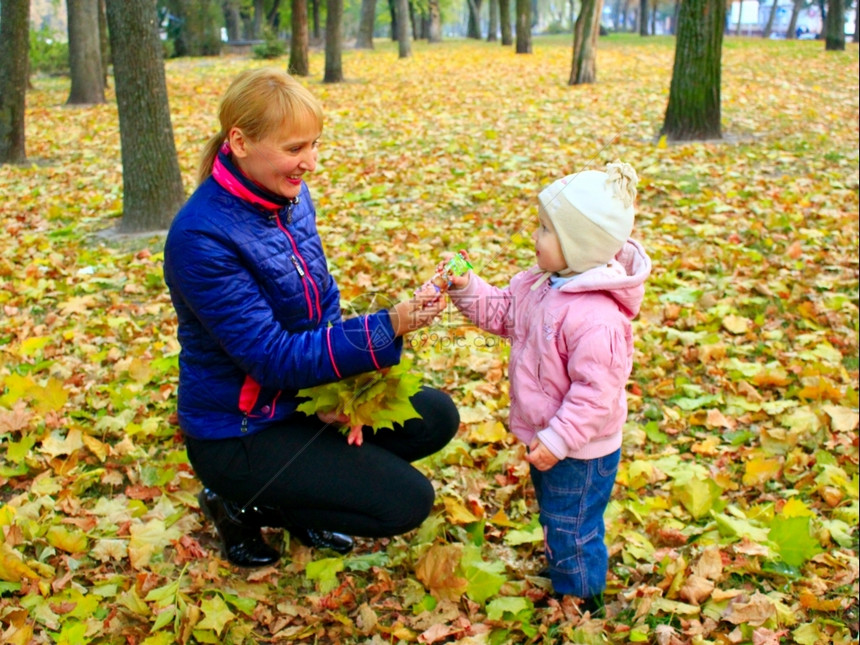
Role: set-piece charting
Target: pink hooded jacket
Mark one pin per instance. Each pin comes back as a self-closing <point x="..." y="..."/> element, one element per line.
<point x="571" y="350"/>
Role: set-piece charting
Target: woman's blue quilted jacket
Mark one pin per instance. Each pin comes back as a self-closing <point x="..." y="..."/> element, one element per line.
<point x="259" y="313"/>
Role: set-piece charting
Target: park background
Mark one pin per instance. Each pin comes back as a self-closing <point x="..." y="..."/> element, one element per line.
<point x="735" y="515"/>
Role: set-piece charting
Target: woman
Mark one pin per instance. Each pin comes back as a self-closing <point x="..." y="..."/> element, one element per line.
<point x="259" y="318"/>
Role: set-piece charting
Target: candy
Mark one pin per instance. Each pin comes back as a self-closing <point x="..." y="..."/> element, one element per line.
<point x="457" y="265"/>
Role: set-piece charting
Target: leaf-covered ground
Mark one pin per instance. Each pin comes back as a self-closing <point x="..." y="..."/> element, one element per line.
<point x="735" y="515"/>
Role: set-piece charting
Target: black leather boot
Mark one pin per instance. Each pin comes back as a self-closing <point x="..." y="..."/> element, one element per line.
<point x="243" y="544"/>
<point x="272" y="516"/>
<point x="322" y="539"/>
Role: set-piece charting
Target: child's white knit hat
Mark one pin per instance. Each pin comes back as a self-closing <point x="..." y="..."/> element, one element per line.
<point x="592" y="213"/>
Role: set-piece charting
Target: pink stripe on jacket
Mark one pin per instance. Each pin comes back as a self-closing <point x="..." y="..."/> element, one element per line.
<point x="571" y="350"/>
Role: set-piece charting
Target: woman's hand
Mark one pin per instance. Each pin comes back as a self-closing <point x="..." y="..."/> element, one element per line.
<point x="540" y="456"/>
<point x="417" y="312"/>
<point x="355" y="436"/>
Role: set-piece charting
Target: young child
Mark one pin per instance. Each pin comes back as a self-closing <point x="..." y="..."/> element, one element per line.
<point x="572" y="351"/>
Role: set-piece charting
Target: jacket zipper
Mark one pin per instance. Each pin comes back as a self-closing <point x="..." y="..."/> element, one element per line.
<point x="297" y="263"/>
<point x="298" y="266"/>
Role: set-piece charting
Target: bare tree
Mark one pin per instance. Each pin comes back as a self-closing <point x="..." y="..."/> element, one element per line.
<point x="524" y="27"/>
<point x="643" y="17"/>
<point x="152" y="190"/>
<point x="298" y="64"/>
<point x="404" y="38"/>
<point x="364" y="40"/>
<point x="333" y="42"/>
<point x="834" y="26"/>
<point x="85" y="54"/>
<point x="14" y="34"/>
<point x="584" y="66"/>
<point x="693" y="111"/>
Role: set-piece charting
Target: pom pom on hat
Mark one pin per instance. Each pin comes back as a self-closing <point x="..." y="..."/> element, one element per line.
<point x="592" y="213"/>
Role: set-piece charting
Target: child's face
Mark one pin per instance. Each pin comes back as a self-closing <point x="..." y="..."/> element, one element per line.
<point x="547" y="247"/>
<point x="279" y="161"/>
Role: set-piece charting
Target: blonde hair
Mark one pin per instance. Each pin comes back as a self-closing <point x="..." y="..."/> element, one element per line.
<point x="258" y="102"/>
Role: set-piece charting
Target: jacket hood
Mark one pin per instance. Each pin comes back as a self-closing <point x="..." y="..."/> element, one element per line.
<point x="623" y="278"/>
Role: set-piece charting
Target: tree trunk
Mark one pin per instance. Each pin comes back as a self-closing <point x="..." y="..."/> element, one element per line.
<point x="315" y="19"/>
<point x="333" y="42"/>
<point x="624" y="15"/>
<point x="643" y="17"/>
<point x="524" y="27"/>
<point x="298" y="64"/>
<point x="585" y="32"/>
<point x="392" y="10"/>
<point x="404" y="39"/>
<point x="792" y="24"/>
<point x="273" y="19"/>
<point x="365" y="25"/>
<point x="104" y="45"/>
<point x="740" y="15"/>
<point x="14" y="63"/>
<point x="413" y="23"/>
<point x="259" y="18"/>
<point x="493" y="28"/>
<point x="768" y="28"/>
<point x="473" y="29"/>
<point x="834" y="28"/>
<point x="205" y="23"/>
<point x="232" y="19"/>
<point x="434" y="31"/>
<point x="693" y="111"/>
<point x="505" y="22"/>
<point x="856" y="21"/>
<point x="653" y="15"/>
<point x="198" y="32"/>
<point x="85" y="57"/>
<point x="152" y="190"/>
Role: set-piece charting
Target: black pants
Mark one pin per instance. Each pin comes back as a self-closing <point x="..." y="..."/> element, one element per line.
<point x="318" y="481"/>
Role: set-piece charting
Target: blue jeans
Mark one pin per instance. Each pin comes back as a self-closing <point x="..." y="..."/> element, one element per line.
<point x="573" y="496"/>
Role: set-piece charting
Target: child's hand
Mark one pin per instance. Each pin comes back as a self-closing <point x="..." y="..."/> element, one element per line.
<point x="454" y="281"/>
<point x="459" y="281"/>
<point x="540" y="456"/>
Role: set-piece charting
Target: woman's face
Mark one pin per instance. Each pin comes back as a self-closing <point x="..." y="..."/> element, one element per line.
<point x="547" y="246"/>
<point x="279" y="161"/>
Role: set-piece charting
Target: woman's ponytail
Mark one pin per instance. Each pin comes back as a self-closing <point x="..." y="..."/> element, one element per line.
<point x="207" y="159"/>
